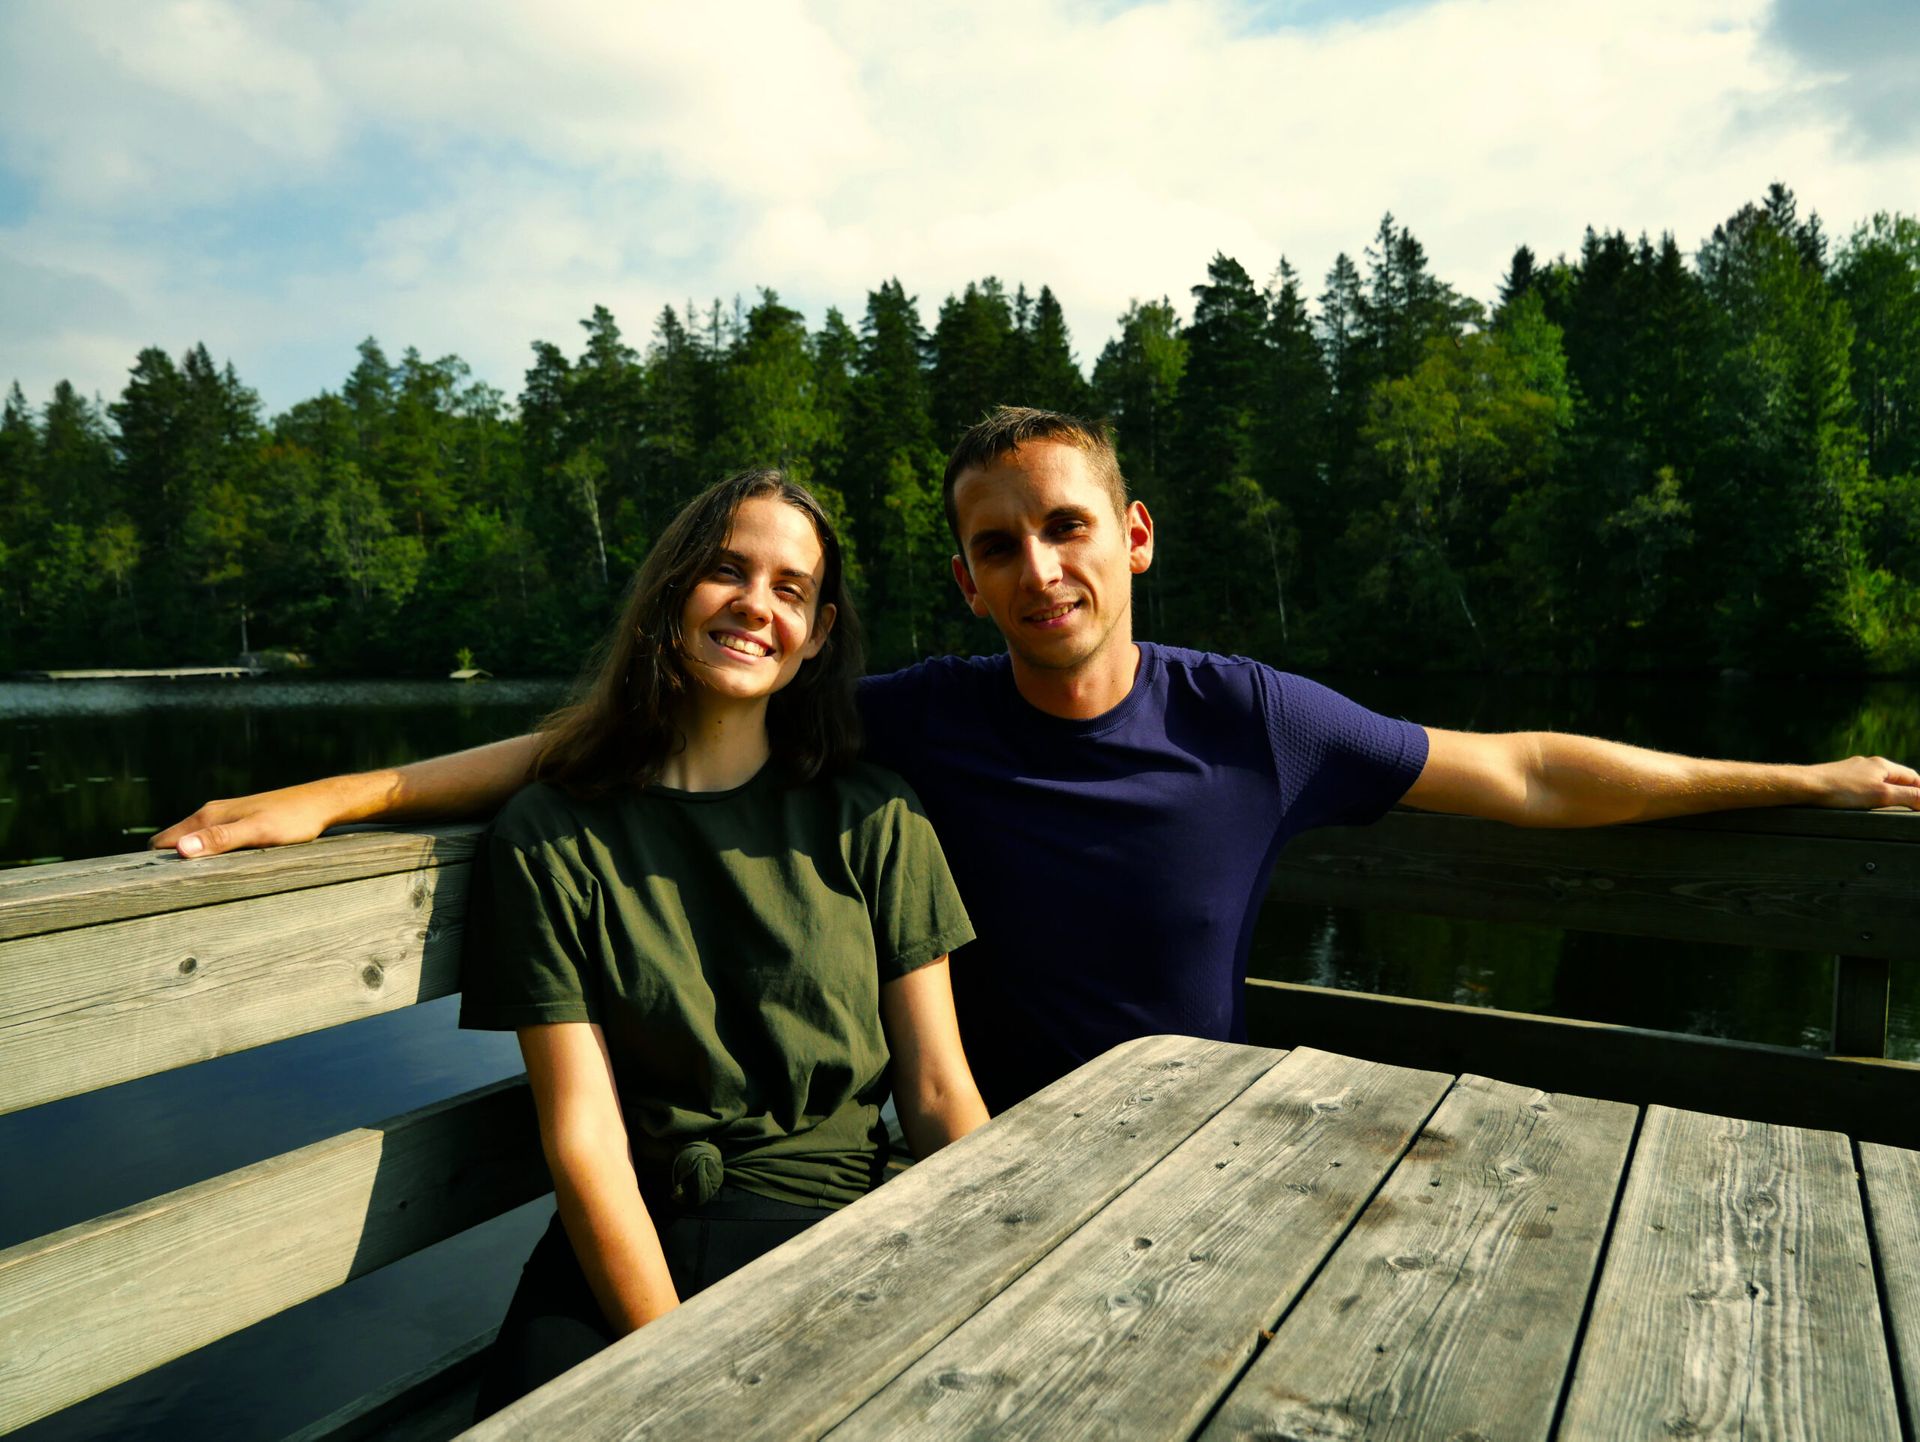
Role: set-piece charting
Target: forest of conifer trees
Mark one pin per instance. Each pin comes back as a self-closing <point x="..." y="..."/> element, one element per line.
<point x="1636" y="459"/>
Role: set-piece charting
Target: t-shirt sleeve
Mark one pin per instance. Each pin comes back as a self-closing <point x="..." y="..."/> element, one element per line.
<point x="524" y="959"/>
<point x="914" y="906"/>
<point x="1339" y="764"/>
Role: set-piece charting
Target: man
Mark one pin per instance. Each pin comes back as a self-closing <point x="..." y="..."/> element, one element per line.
<point x="1112" y="810"/>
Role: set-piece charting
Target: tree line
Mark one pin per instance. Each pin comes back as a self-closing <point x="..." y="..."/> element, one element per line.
<point x="1632" y="460"/>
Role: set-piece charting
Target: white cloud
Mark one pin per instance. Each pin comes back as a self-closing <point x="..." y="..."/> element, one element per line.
<point x="531" y="162"/>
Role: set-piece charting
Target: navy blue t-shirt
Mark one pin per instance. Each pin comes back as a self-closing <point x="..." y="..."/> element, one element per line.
<point x="1113" y="868"/>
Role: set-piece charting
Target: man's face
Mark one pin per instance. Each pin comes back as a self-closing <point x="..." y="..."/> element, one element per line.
<point x="1045" y="557"/>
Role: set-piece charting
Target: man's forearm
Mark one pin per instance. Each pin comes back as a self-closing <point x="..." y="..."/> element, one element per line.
<point x="1584" y="781"/>
<point x="1545" y="778"/>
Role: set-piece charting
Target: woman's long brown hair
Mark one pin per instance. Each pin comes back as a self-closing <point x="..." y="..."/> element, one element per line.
<point x="619" y="727"/>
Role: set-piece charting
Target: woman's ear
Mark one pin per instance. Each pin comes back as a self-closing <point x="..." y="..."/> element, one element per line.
<point x="822" y="626"/>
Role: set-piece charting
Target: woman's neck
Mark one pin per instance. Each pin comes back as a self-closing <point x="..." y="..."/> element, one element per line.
<point x="723" y="746"/>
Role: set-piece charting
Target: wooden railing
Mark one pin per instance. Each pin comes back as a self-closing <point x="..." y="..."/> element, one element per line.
<point x="1842" y="883"/>
<point x="126" y="966"/>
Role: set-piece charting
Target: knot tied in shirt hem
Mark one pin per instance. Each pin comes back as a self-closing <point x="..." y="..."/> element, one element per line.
<point x="697" y="1174"/>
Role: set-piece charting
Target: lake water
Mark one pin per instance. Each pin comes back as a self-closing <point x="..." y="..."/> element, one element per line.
<point x="89" y="769"/>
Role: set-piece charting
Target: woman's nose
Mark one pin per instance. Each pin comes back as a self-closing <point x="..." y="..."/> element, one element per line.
<point x="752" y="600"/>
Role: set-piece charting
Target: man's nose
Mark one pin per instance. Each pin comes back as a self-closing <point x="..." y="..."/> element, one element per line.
<point x="1039" y="564"/>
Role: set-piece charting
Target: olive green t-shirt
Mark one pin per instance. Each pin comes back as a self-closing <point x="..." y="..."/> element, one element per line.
<point x="731" y="945"/>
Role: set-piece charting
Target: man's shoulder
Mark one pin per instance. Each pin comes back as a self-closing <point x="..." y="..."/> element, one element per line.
<point x="895" y="702"/>
<point x="1213" y="678"/>
<point x="936" y="673"/>
<point x="1212" y="673"/>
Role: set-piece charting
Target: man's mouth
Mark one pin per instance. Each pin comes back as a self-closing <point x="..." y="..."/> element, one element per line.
<point x="745" y="645"/>
<point x="1053" y="614"/>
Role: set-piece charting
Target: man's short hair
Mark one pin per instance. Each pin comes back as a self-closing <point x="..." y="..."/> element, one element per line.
<point x="1007" y="428"/>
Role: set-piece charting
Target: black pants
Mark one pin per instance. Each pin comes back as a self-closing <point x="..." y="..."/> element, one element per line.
<point x="554" y="1323"/>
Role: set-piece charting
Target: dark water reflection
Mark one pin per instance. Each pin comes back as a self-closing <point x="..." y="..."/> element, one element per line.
<point x="87" y="769"/>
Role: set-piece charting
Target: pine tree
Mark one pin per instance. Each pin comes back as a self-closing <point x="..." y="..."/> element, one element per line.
<point x="1136" y="384"/>
<point x="971" y="352"/>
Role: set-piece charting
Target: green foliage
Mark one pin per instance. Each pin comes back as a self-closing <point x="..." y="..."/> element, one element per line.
<point x="1635" y="461"/>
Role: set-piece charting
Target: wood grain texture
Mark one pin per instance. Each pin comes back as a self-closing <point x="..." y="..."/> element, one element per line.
<point x="1872" y="1100"/>
<point x="1890" y="823"/>
<point x="87" y="1008"/>
<point x="1138" y="1323"/>
<point x="37" y="899"/>
<point x="789" y="1345"/>
<point x="1737" y="1297"/>
<point x="1892" y="1179"/>
<point x="1822" y="894"/>
<point x="1453" y="1307"/>
<point x="87" y="1307"/>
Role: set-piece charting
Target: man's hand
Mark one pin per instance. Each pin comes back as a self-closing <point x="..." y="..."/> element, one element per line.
<point x="267" y="818"/>
<point x="1865" y="782"/>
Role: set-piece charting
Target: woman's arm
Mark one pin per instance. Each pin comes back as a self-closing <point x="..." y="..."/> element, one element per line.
<point x="933" y="1086"/>
<point x="585" y="1139"/>
<point x="466" y="783"/>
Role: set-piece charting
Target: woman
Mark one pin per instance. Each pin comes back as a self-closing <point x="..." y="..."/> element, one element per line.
<point x="713" y="933"/>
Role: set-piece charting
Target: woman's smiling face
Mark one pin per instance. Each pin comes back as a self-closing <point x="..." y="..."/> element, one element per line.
<point x="751" y="622"/>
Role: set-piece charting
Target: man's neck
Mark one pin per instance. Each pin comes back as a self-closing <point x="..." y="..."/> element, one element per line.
<point x="1084" y="692"/>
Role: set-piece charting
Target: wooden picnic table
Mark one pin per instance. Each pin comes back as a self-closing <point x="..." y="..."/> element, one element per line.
<point x="1192" y="1239"/>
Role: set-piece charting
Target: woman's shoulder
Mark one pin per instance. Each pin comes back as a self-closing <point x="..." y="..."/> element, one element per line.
<point x="866" y="787"/>
<point x="541" y="816"/>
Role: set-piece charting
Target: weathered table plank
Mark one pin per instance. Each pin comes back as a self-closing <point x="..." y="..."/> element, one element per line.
<point x="1140" y="1320"/>
<point x="844" y="1308"/>
<point x="1452" y="1308"/>
<point x="84" y="1308"/>
<point x="97" y="1005"/>
<point x="1892" y="1178"/>
<point x="1737" y="1298"/>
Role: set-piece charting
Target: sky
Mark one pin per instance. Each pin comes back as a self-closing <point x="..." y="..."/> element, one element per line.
<point x="279" y="180"/>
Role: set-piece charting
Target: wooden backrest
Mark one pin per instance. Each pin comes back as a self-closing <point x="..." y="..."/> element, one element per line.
<point x="1840" y="882"/>
<point x="130" y="965"/>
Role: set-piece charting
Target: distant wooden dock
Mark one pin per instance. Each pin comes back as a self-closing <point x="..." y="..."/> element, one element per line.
<point x="158" y="673"/>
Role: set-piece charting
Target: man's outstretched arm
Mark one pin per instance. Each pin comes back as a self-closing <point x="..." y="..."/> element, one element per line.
<point x="1544" y="778"/>
<point x="467" y="783"/>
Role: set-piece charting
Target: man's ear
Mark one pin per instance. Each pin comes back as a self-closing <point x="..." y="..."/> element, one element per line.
<point x="1139" y="538"/>
<point x="822" y="627"/>
<point x="970" y="593"/>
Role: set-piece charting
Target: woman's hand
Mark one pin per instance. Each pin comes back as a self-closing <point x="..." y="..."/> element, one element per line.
<point x="933" y="1087"/>
<point x="585" y="1139"/>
